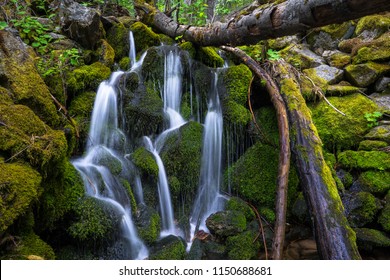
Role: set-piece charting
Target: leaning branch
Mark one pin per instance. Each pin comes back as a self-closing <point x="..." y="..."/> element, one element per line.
<point x="284" y="153"/>
<point x="264" y="22"/>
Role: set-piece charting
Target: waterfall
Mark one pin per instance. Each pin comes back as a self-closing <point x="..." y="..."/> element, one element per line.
<point x="208" y="198"/>
<point x="132" y="51"/>
<point x="98" y="180"/>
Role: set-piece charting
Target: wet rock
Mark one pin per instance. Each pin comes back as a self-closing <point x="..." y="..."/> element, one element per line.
<point x="226" y="223"/>
<point x="81" y="23"/>
<point x="381" y="133"/>
<point x="168" y="248"/>
<point x="360" y="208"/>
<point x="148" y="223"/>
<point x="363" y="75"/>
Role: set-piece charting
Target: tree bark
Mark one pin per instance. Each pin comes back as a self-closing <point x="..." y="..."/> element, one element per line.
<point x="284" y="152"/>
<point x="335" y="239"/>
<point x="264" y="22"/>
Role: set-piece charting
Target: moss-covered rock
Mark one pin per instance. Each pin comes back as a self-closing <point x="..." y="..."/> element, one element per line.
<point x="24" y="135"/>
<point x="254" y="175"/>
<point x="144" y="37"/>
<point x="109" y="160"/>
<point x="242" y="247"/>
<point x="33" y="247"/>
<point x="364" y="160"/>
<point x="180" y="146"/>
<point x="226" y="223"/>
<point x="94" y="221"/>
<point x="145" y="161"/>
<point x="234" y="92"/>
<point x="209" y="56"/>
<point x="381" y="133"/>
<point x="375" y="182"/>
<point x="237" y="204"/>
<point x="324" y="75"/>
<point x="342" y="90"/>
<point x="148" y="223"/>
<point x="301" y="57"/>
<point x="189" y="47"/>
<point x="337" y="59"/>
<point x="360" y="208"/>
<point x="19" y="187"/>
<point x="169" y="248"/>
<point x="363" y="75"/>
<point x="87" y="77"/>
<point x="118" y="38"/>
<point x="371" y="145"/>
<point x="19" y="75"/>
<point x="368" y="239"/>
<point x="384" y="217"/>
<point x="372" y="26"/>
<point x="342" y="132"/>
<point x="106" y="53"/>
<point x="377" y="50"/>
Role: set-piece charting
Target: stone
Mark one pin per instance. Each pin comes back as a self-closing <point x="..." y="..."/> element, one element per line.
<point x="382" y="84"/>
<point x="301" y="56"/>
<point x="381" y="133"/>
<point x="383" y="101"/>
<point x="282" y="42"/>
<point x="368" y="239"/>
<point x="363" y="75"/>
<point x="373" y="26"/>
<point x="326" y="74"/>
<point x="342" y="90"/>
<point x="226" y="223"/>
<point x="81" y="23"/>
<point x="169" y="248"/>
<point x="336" y="58"/>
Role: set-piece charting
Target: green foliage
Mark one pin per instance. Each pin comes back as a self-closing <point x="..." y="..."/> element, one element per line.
<point x="3" y="25"/>
<point x="58" y="62"/>
<point x="225" y="7"/>
<point x="363" y="160"/>
<point x="242" y="246"/>
<point x="372" y="118"/>
<point x="273" y="55"/>
<point x="145" y="161"/>
<point x="193" y="14"/>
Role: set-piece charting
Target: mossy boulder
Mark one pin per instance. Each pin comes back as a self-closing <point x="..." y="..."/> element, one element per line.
<point x="342" y="90"/>
<point x="25" y="136"/>
<point x="363" y="75"/>
<point x="108" y="159"/>
<point x="377" y="50"/>
<point x="237" y="204"/>
<point x="375" y="182"/>
<point x="180" y="146"/>
<point x="367" y="239"/>
<point x="235" y="82"/>
<point x="148" y="224"/>
<point x="363" y="160"/>
<point x="169" y="248"/>
<point x="242" y="247"/>
<point x="19" y="187"/>
<point x="145" y="161"/>
<point x="19" y="75"/>
<point x="254" y="175"/>
<point x="87" y="77"/>
<point x="94" y="221"/>
<point x="372" y="26"/>
<point x="360" y="208"/>
<point x="301" y="56"/>
<point x="337" y="58"/>
<point x="33" y="247"/>
<point x="342" y="132"/>
<point x="226" y="223"/>
<point x="381" y="133"/>
<point x="324" y="75"/>
<point x="371" y="145"/>
<point x="144" y="37"/>
<point x="189" y="47"/>
<point x="118" y="38"/>
<point x="106" y="53"/>
<point x="209" y="56"/>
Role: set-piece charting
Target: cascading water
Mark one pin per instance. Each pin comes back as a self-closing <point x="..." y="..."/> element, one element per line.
<point x="99" y="183"/>
<point x="132" y="52"/>
<point x="209" y="200"/>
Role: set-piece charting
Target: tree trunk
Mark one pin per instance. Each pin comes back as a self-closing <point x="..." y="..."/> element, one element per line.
<point x="335" y="239"/>
<point x="265" y="22"/>
<point x="284" y="152"/>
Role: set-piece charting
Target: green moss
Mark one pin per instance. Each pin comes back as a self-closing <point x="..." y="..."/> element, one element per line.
<point x="341" y="90"/>
<point x="144" y="37"/>
<point x="19" y="185"/>
<point x="25" y="136"/>
<point x="375" y="50"/>
<point x="32" y="246"/>
<point x="87" y="77"/>
<point x="342" y="132"/>
<point x="5" y="96"/>
<point x="118" y="38"/>
<point x="376" y="182"/>
<point x="124" y="63"/>
<point x="145" y="161"/>
<point x="181" y="146"/>
<point x="242" y="247"/>
<point x="236" y="113"/>
<point x="339" y="60"/>
<point x="170" y="248"/>
<point x="381" y="133"/>
<point x="384" y="217"/>
<point x="371" y="145"/>
<point x="360" y="208"/>
<point x="60" y="196"/>
<point x="149" y="224"/>
<point x="364" y="160"/>
<point x="375" y="23"/>
<point x="266" y="119"/>
<point x="363" y="75"/>
<point x="238" y="204"/>
<point x="93" y="221"/>
<point x="367" y="239"/>
<point x="189" y="47"/>
<point x="226" y="223"/>
<point x="210" y="57"/>
<point x="254" y="175"/>
<point x="110" y="161"/>
<point x="106" y="53"/>
<point x="268" y="214"/>
<point x="130" y="194"/>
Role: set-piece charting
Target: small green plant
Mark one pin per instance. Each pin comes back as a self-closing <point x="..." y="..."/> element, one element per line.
<point x="195" y="14"/>
<point x="372" y="118"/>
<point x="3" y="25"/>
<point x="272" y="54"/>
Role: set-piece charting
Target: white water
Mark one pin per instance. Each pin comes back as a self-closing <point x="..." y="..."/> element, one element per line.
<point x="208" y="199"/>
<point x="132" y="51"/>
<point x="98" y="180"/>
